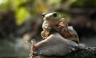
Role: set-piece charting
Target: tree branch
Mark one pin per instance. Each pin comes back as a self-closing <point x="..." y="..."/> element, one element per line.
<point x="89" y="52"/>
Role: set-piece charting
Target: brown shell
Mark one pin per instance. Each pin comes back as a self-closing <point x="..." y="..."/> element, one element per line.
<point x="67" y="31"/>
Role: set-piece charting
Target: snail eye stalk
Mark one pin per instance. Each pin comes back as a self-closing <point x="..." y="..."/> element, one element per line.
<point x="43" y="14"/>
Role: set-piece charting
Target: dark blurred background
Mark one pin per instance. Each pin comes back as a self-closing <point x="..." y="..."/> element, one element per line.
<point x="21" y="20"/>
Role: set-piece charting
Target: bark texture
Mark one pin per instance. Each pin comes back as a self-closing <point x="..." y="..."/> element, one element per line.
<point x="89" y="52"/>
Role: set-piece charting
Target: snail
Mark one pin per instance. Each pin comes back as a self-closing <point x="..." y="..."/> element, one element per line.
<point x="54" y="44"/>
<point x="59" y="38"/>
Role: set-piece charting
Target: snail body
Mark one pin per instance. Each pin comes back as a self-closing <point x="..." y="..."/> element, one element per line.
<point x="54" y="44"/>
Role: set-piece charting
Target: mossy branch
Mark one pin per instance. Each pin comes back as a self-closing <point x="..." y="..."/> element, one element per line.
<point x="89" y="52"/>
